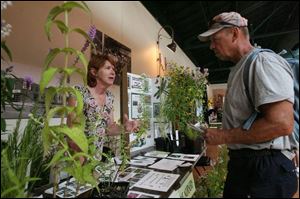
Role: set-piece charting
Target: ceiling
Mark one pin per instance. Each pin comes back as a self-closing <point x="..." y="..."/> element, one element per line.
<point x="273" y="25"/>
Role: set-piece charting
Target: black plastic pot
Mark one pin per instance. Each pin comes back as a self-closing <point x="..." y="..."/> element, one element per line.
<point x="163" y="144"/>
<point x="195" y="146"/>
<point x="111" y="190"/>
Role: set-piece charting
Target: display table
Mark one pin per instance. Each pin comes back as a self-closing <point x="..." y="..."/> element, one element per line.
<point x="153" y="180"/>
<point x="183" y="187"/>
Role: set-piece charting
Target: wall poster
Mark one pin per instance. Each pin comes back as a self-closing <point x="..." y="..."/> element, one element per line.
<point x="136" y="106"/>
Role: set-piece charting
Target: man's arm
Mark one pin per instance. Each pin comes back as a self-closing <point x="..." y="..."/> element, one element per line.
<point x="277" y="120"/>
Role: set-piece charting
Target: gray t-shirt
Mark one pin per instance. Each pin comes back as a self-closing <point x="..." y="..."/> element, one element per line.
<point x="270" y="80"/>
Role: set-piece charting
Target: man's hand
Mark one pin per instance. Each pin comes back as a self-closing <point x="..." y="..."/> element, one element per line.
<point x="214" y="136"/>
<point x="130" y="125"/>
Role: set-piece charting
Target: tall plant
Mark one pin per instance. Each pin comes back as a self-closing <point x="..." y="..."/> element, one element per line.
<point x="66" y="159"/>
<point x="182" y="91"/>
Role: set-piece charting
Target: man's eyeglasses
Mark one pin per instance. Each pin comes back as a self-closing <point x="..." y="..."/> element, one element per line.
<point x="212" y="22"/>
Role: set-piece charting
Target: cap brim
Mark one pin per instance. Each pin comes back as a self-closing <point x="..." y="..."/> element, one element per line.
<point x="205" y="36"/>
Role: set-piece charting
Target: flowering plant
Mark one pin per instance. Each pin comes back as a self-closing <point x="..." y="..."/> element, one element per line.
<point x="5" y="30"/>
<point x="182" y="91"/>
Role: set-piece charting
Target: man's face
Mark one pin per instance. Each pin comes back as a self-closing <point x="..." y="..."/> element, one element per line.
<point x="221" y="43"/>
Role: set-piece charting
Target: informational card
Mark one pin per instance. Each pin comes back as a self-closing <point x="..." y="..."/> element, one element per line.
<point x="137" y="194"/>
<point x="157" y="154"/>
<point x="166" y="164"/>
<point x="144" y="158"/>
<point x="184" y="157"/>
<point x="157" y="181"/>
<point x="140" y="162"/>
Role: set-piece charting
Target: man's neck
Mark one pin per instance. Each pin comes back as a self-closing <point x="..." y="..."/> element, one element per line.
<point x="242" y="51"/>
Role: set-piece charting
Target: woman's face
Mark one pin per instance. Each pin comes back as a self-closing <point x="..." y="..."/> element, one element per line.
<point x="106" y="74"/>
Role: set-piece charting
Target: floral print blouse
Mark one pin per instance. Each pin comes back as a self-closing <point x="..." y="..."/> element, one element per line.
<point x="97" y="117"/>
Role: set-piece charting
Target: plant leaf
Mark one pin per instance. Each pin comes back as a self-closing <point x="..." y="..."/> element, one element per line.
<point x="47" y="76"/>
<point x="78" y="30"/>
<point x="58" y="110"/>
<point x="84" y="62"/>
<point x="48" y="97"/>
<point x="56" y="157"/>
<point x="51" y="55"/>
<point x="51" y="16"/>
<point x="47" y="139"/>
<point x="86" y="6"/>
<point x="75" y="134"/>
<point x="73" y="69"/>
<point x="70" y="5"/>
<point x="61" y="26"/>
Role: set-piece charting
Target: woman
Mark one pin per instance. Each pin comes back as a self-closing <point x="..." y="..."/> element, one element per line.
<point x="98" y="102"/>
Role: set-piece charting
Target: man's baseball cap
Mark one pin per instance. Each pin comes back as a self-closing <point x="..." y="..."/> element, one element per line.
<point x="223" y="20"/>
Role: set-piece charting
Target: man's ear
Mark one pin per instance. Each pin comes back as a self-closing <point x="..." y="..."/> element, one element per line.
<point x="235" y="33"/>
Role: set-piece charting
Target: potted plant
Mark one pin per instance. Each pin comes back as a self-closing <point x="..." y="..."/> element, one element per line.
<point x="182" y="93"/>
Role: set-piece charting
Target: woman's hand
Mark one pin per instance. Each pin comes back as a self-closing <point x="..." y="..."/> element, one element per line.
<point x="131" y="125"/>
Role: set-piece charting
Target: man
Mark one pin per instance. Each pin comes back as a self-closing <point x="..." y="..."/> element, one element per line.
<point x="260" y="162"/>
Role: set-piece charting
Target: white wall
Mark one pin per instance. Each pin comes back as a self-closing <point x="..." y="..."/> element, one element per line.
<point x="127" y="22"/>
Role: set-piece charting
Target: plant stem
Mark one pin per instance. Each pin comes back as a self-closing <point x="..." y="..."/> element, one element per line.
<point x="64" y="82"/>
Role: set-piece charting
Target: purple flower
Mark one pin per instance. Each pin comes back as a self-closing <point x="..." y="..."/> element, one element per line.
<point x="91" y="33"/>
<point x="28" y="81"/>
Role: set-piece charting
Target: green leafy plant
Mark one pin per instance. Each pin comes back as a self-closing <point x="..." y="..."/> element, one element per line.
<point x="65" y="158"/>
<point x="19" y="155"/>
<point x="212" y="184"/>
<point x="182" y="91"/>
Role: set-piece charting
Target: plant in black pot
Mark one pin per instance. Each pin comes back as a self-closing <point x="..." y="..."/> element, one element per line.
<point x="111" y="190"/>
<point x="182" y="94"/>
<point x="107" y="187"/>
